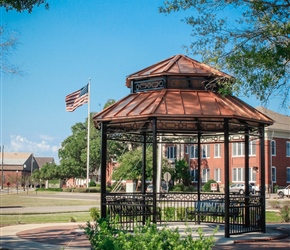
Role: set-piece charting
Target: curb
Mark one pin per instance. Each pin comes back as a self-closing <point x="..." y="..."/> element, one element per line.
<point x="282" y="236"/>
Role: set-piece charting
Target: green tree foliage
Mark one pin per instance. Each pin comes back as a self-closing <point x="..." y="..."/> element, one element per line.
<point x="130" y="167"/>
<point x="73" y="153"/>
<point x="250" y="39"/>
<point x="181" y="172"/>
<point x="22" y="5"/>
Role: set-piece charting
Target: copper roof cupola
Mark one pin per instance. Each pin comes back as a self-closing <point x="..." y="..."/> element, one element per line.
<point x="182" y="94"/>
<point x="176" y="72"/>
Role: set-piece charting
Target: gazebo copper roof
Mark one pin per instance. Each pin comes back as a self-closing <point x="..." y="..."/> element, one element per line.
<point x="178" y="101"/>
<point x="178" y="65"/>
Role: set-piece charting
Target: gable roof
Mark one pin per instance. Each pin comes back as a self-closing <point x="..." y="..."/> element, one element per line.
<point x="43" y="160"/>
<point x="282" y="122"/>
<point x="14" y="158"/>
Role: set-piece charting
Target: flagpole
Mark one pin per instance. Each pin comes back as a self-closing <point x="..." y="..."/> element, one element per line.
<point x="88" y="138"/>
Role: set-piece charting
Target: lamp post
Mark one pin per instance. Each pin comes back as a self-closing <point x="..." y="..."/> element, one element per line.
<point x="24" y="167"/>
<point x="17" y="181"/>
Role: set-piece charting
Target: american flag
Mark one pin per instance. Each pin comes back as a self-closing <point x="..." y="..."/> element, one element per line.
<point x="77" y="98"/>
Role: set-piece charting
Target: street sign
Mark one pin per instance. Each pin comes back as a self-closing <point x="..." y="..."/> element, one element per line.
<point x="167" y="176"/>
<point x="213" y="187"/>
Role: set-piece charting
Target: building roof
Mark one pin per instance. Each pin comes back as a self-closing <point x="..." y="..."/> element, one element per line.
<point x="14" y="158"/>
<point x="180" y="65"/>
<point x="282" y="122"/>
<point x="167" y="91"/>
<point x="43" y="160"/>
<point x="174" y="104"/>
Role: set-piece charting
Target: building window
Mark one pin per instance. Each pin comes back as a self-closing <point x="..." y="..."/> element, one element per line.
<point x="205" y="151"/>
<point x="288" y="175"/>
<point x="186" y="149"/>
<point x="194" y="175"/>
<point x="273" y="147"/>
<point x="287" y="148"/>
<point x="217" y="174"/>
<point x="217" y="150"/>
<point x="238" y="149"/>
<point x="252" y="148"/>
<point x="194" y="152"/>
<point x="205" y="175"/>
<point x="238" y="174"/>
<point x="252" y="174"/>
<point x="273" y="174"/>
<point x="171" y="152"/>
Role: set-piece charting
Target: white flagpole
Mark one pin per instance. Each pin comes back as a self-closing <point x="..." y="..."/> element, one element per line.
<point x="88" y="138"/>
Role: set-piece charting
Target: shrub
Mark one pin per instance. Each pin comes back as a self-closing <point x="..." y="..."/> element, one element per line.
<point x="285" y="213"/>
<point x="95" y="213"/>
<point x="169" y="213"/>
<point x="92" y="184"/>
<point x="206" y="186"/>
<point x="178" y="187"/>
<point x="106" y="235"/>
<point x="276" y="187"/>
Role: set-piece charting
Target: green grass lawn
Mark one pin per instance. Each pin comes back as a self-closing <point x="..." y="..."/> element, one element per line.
<point x="32" y="200"/>
<point x="15" y="219"/>
<point x="35" y="200"/>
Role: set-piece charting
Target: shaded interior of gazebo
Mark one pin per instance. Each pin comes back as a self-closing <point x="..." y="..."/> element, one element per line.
<point x="177" y="101"/>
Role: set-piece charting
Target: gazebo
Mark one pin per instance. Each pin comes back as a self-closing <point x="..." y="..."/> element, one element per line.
<point x="177" y="101"/>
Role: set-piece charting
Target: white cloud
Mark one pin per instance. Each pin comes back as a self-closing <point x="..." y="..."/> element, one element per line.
<point x="43" y="147"/>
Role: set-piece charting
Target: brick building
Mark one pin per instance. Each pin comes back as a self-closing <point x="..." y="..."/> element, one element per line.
<point x="277" y="151"/>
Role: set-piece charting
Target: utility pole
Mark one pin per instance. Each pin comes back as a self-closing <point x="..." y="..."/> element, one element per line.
<point x="2" y="174"/>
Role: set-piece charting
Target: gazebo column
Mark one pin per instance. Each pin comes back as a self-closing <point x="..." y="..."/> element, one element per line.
<point x="198" y="165"/>
<point x="103" y="169"/>
<point x="198" y="169"/>
<point x="247" y="214"/>
<point x="154" y="156"/>
<point x="144" y="177"/>
<point x="262" y="177"/>
<point x="227" y="177"/>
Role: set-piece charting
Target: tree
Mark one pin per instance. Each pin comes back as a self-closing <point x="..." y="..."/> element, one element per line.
<point x="130" y="165"/>
<point x="181" y="172"/>
<point x="9" y="42"/>
<point x="253" y="45"/>
<point x="22" y="5"/>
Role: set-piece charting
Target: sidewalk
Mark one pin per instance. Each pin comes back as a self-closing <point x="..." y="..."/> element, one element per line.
<point x="69" y="236"/>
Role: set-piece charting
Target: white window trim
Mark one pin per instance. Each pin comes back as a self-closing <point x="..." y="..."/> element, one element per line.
<point x="218" y="172"/>
<point x="287" y="169"/>
<point x="273" y="167"/>
<point x="218" y="149"/>
<point x="288" y="147"/>
<point x="275" y="147"/>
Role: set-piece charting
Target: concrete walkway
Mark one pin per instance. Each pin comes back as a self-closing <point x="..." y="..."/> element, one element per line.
<point x="54" y="236"/>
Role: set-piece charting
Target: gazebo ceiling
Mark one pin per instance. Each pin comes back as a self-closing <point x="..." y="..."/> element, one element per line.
<point x="172" y="91"/>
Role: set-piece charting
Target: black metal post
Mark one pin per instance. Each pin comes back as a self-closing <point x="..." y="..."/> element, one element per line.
<point x="154" y="147"/>
<point x="144" y="177"/>
<point x="227" y="178"/>
<point x="103" y="169"/>
<point x="262" y="177"/>
<point x="247" y="214"/>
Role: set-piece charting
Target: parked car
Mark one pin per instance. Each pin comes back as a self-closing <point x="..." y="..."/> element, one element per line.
<point x="284" y="191"/>
<point x="149" y="188"/>
<point x="239" y="188"/>
<point x="255" y="188"/>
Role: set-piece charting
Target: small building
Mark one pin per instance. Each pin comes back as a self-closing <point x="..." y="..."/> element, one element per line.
<point x="17" y="168"/>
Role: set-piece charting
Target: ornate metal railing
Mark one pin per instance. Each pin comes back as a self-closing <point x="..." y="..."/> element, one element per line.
<point x="131" y="209"/>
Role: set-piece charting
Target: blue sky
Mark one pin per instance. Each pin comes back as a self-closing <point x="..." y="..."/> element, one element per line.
<point x="61" y="48"/>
